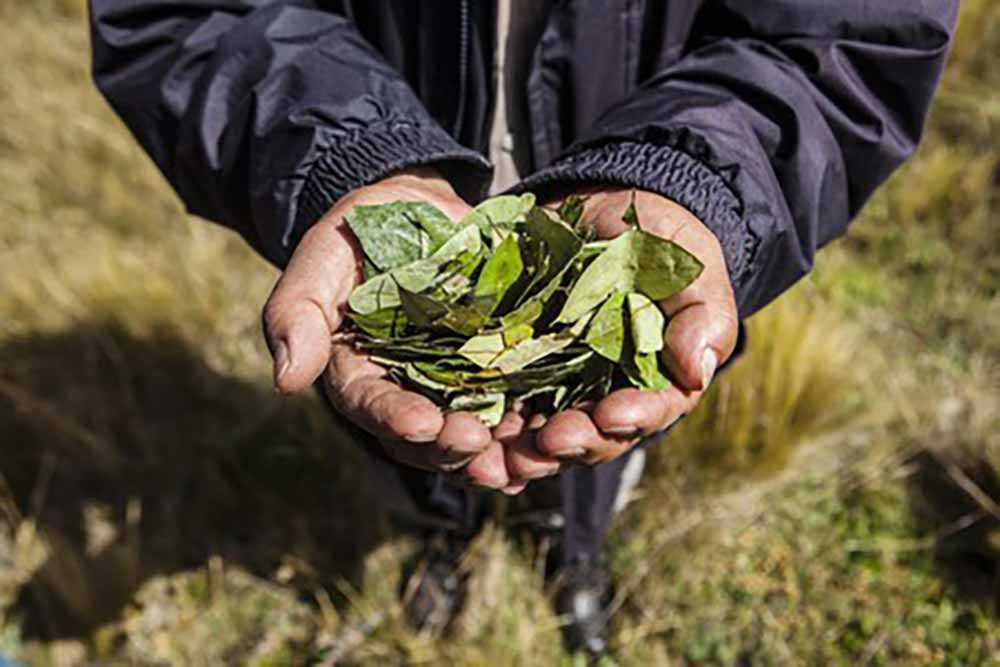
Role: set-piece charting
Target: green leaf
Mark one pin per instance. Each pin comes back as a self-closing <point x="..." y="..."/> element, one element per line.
<point x="469" y="318"/>
<point x="380" y="292"/>
<point x="506" y="209"/>
<point x="592" y="249"/>
<point x="489" y="408"/>
<point x="558" y="370"/>
<point x="571" y="209"/>
<point x="647" y="323"/>
<point x="606" y="334"/>
<point x="554" y="246"/>
<point x="420" y="345"/>
<point x="515" y="334"/>
<point x="528" y="351"/>
<point x="593" y="379"/>
<point x="526" y="313"/>
<point x="663" y="268"/>
<point x="423" y="311"/>
<point x="427" y="312"/>
<point x="386" y="361"/>
<point x="484" y="349"/>
<point x="631" y="216"/>
<point x="414" y="375"/>
<point x="559" y="240"/>
<point x="643" y="370"/>
<point x="387" y="323"/>
<point x="454" y="279"/>
<point x="399" y="233"/>
<point x="635" y="261"/>
<point x="501" y="271"/>
<point x="438" y="226"/>
<point x="496" y="217"/>
<point x="369" y="269"/>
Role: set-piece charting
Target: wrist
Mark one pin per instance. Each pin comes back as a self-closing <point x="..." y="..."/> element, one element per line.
<point x="614" y="200"/>
<point x="423" y="181"/>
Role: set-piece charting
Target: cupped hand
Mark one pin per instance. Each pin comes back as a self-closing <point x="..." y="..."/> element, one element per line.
<point x="700" y="336"/>
<point x="302" y="324"/>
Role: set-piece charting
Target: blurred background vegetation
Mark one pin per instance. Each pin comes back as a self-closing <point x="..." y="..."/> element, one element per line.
<point x="835" y="501"/>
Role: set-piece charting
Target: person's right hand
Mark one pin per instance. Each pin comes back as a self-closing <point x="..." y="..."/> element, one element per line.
<point x="302" y="319"/>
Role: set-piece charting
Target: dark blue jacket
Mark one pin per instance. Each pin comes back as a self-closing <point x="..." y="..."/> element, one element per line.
<point x="771" y="120"/>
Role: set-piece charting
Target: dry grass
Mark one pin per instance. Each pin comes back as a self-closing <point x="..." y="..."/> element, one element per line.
<point x="804" y="376"/>
<point x="159" y="503"/>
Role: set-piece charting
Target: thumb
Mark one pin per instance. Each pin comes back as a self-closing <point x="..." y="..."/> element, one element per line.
<point x="306" y="306"/>
<point x="699" y="338"/>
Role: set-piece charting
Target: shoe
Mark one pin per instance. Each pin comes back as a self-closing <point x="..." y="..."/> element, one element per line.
<point x="433" y="586"/>
<point x="583" y="592"/>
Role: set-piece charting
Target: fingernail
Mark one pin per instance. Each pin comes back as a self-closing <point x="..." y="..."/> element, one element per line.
<point x="622" y="431"/>
<point x="420" y="438"/>
<point x="281" y="361"/>
<point x="542" y="474"/>
<point x="567" y="454"/>
<point x="708" y="364"/>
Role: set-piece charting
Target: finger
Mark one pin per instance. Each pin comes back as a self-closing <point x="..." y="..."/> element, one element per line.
<point x="698" y="339"/>
<point x="516" y="433"/>
<point x="514" y="423"/>
<point x="488" y="468"/>
<point x="654" y="411"/>
<point x="703" y="326"/>
<point x="608" y="450"/>
<point x="306" y="305"/>
<point x="363" y="393"/>
<point x="511" y="425"/>
<point x="569" y="435"/>
<point x="420" y="456"/>
<point x="463" y="433"/>
<point x="631" y="412"/>
<point x="514" y="488"/>
<point x="382" y="408"/>
<point x="525" y="462"/>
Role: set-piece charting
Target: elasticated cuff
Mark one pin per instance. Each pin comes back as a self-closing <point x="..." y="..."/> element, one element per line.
<point x="670" y="172"/>
<point x="363" y="159"/>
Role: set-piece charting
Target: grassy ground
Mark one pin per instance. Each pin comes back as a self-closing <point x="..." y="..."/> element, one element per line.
<point x="833" y="502"/>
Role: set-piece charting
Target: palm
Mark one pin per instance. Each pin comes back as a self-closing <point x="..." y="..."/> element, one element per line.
<point x="701" y="335"/>
<point x="302" y="321"/>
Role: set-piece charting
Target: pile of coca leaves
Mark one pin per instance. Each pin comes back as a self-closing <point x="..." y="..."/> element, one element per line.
<point x="514" y="303"/>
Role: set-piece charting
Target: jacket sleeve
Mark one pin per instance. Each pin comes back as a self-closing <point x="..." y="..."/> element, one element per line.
<point x="776" y="125"/>
<point x="262" y="114"/>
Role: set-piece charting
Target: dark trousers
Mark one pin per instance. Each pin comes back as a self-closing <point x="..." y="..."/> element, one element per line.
<point x="583" y="496"/>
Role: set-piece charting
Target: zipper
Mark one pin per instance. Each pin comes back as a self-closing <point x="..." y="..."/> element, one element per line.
<point x="463" y="67"/>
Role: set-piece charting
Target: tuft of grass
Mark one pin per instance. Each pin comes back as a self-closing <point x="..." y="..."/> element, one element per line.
<point x="823" y="573"/>
<point x="217" y="616"/>
<point x="803" y="375"/>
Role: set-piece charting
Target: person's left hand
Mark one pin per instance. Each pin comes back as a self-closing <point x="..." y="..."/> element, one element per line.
<point x="700" y="336"/>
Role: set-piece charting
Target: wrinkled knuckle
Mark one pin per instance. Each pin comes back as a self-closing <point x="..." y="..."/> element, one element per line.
<point x="411" y="420"/>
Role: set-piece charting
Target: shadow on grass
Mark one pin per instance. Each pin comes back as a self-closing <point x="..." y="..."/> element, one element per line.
<point x="965" y="534"/>
<point x="138" y="459"/>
